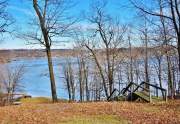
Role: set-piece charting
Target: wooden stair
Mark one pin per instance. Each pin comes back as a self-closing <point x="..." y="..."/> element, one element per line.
<point x="144" y="94"/>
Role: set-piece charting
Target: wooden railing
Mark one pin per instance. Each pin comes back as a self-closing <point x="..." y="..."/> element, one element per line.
<point x="141" y="86"/>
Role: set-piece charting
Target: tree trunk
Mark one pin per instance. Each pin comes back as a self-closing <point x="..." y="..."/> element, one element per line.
<point x="178" y="44"/>
<point x="131" y="60"/>
<point x="51" y="72"/>
<point x="72" y="87"/>
<point x="81" y="92"/>
<point x="100" y="71"/>
<point x="173" y="81"/>
<point x="137" y="71"/>
<point x="160" y="76"/>
<point x="68" y="82"/>
<point x="47" y="44"/>
<point x="80" y="79"/>
<point x="170" y="85"/>
<point x="119" y="78"/>
<point x="86" y="80"/>
<point x="110" y="75"/>
<point x="146" y="60"/>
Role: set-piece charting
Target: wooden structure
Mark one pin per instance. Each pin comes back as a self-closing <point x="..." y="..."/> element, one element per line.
<point x="6" y="98"/>
<point x="134" y="92"/>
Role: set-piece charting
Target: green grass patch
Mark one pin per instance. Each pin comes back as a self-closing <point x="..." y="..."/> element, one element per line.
<point x="41" y="100"/>
<point x="157" y="99"/>
<point x="35" y="100"/>
<point x="151" y="109"/>
<point x="100" y="119"/>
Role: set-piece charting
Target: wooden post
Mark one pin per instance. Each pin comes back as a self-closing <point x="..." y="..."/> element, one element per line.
<point x="166" y="95"/>
<point x="150" y="99"/>
<point x="157" y="91"/>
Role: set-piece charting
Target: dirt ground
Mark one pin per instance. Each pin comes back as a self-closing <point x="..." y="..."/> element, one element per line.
<point x="62" y="113"/>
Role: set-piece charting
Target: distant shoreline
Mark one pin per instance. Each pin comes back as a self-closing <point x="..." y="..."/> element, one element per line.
<point x="7" y="55"/>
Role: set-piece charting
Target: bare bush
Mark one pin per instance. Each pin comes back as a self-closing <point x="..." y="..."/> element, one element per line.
<point x="11" y="81"/>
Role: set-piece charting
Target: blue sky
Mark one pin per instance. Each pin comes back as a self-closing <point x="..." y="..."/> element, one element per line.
<point x="22" y="11"/>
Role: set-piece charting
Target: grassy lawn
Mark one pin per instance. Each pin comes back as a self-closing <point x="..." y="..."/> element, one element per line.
<point x="40" y="110"/>
<point x="99" y="119"/>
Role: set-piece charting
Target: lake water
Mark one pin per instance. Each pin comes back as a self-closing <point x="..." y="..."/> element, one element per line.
<point x="36" y="80"/>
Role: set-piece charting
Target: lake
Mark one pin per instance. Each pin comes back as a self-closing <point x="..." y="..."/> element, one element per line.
<point x="36" y="79"/>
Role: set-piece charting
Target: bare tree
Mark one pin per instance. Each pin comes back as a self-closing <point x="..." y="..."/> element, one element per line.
<point x="144" y="37"/>
<point x="69" y="79"/>
<point x="6" y="21"/>
<point x="81" y="78"/>
<point x="96" y="86"/>
<point x="158" y="53"/>
<point x="169" y="10"/>
<point x="164" y="39"/>
<point x="50" y="25"/>
<point x="110" y="36"/>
